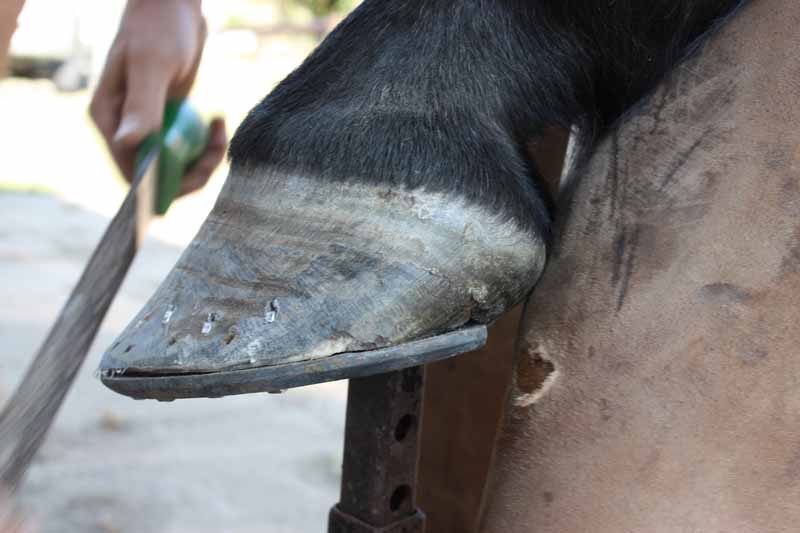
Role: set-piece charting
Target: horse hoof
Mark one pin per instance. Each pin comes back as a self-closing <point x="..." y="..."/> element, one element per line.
<point x="290" y="269"/>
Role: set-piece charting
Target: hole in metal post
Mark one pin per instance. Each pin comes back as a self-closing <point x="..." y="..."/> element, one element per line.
<point x="399" y="497"/>
<point x="404" y="425"/>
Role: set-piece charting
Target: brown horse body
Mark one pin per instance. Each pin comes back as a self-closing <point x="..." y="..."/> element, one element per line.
<point x="668" y="314"/>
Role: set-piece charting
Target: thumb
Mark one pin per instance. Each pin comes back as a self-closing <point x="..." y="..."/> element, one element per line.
<point x="146" y="89"/>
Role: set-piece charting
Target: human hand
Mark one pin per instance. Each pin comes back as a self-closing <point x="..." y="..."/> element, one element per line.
<point x="9" y="10"/>
<point x="155" y="56"/>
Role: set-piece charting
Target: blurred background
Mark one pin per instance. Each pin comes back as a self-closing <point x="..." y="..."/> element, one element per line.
<point x="266" y="463"/>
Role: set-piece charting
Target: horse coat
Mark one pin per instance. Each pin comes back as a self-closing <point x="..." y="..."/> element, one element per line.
<point x="667" y="317"/>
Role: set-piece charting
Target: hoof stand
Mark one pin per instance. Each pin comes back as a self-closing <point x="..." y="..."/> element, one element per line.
<point x="289" y="270"/>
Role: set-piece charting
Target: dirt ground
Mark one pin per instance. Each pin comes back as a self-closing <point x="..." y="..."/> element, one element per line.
<point x="266" y="463"/>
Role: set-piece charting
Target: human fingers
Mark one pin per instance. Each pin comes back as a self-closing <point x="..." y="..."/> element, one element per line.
<point x="142" y="111"/>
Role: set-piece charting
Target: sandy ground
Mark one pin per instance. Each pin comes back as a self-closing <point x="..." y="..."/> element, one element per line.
<point x="266" y="463"/>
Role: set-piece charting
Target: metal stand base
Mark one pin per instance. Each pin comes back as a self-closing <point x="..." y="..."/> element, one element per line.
<point x="379" y="471"/>
<point x="339" y="522"/>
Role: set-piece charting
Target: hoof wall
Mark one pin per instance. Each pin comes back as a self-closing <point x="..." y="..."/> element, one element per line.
<point x="293" y="271"/>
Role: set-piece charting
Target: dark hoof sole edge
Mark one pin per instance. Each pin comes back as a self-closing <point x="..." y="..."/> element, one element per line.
<point x="286" y="376"/>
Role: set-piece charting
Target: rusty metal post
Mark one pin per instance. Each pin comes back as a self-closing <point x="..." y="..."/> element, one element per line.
<point x="379" y="471"/>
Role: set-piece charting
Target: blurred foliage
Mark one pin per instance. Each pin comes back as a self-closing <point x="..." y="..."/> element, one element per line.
<point x="326" y="7"/>
<point x="25" y="188"/>
<point x="255" y="13"/>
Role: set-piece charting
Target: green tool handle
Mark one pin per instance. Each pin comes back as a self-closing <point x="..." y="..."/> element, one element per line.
<point x="181" y="142"/>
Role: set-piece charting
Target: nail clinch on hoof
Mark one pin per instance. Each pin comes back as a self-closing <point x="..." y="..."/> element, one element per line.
<point x="293" y="280"/>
